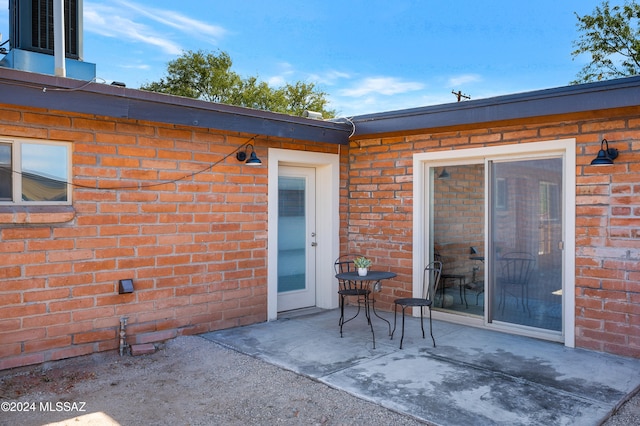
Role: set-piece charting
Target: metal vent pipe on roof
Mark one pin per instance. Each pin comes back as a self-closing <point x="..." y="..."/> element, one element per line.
<point x="58" y="38"/>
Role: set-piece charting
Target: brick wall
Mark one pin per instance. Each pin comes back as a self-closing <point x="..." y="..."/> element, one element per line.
<point x="194" y="246"/>
<point x="607" y="219"/>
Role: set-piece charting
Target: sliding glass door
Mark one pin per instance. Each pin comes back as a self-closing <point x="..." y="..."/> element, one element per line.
<point x="497" y="224"/>
<point x="526" y="242"/>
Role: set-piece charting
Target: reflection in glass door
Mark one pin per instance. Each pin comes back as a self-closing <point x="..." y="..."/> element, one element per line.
<point x="296" y="238"/>
<point x="457" y="213"/>
<point x="519" y="279"/>
<point x="525" y="243"/>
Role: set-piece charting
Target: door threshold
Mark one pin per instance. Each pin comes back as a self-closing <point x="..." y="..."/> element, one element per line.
<point x="294" y="313"/>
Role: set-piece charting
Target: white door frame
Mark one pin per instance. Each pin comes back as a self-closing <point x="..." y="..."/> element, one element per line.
<point x="327" y="223"/>
<point x="422" y="162"/>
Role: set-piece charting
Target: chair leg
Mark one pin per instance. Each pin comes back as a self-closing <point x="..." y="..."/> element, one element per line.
<point x="367" y="311"/>
<point x="525" y="297"/>
<point x="373" y="304"/>
<point x="421" y="321"/>
<point x="402" y="335"/>
<point x="341" y="313"/>
<point x="431" y="328"/>
<point x="395" y="314"/>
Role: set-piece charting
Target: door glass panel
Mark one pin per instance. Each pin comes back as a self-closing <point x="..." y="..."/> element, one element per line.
<point x="291" y="233"/>
<point x="458" y="237"/>
<point x="525" y="243"/>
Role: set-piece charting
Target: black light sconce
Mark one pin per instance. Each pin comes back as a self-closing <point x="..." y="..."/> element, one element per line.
<point x="126" y="286"/>
<point x="253" y="159"/>
<point x="444" y="174"/>
<point x="606" y="155"/>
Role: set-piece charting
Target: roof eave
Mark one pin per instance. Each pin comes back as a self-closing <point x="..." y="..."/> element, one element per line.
<point x="63" y="94"/>
<point x="611" y="94"/>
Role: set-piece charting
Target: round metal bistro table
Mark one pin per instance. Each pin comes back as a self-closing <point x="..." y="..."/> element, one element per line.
<point x="366" y="286"/>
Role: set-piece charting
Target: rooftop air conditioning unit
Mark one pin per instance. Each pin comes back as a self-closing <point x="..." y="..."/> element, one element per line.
<point x="31" y="23"/>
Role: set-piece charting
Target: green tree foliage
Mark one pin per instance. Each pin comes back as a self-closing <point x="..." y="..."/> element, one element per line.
<point x="208" y="76"/>
<point x="611" y="35"/>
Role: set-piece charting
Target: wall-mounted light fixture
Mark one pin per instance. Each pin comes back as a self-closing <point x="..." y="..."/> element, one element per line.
<point x="606" y="155"/>
<point x="125" y="286"/>
<point x="253" y="159"/>
<point x="444" y="174"/>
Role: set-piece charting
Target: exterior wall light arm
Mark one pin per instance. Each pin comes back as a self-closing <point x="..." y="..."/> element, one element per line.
<point x="253" y="159"/>
<point x="606" y="155"/>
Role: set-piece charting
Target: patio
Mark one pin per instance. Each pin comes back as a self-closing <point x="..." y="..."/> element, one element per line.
<point x="473" y="376"/>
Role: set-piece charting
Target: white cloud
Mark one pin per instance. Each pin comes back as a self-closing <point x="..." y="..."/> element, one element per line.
<point x="283" y="76"/>
<point x="136" y="67"/>
<point x="108" y="22"/>
<point x="381" y="85"/>
<point x="464" y="79"/>
<point x="329" y="77"/>
<point x="276" y="81"/>
<point x="178" y="21"/>
<point x="125" y="20"/>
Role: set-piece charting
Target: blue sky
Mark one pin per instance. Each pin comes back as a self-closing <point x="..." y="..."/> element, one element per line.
<point x="367" y="55"/>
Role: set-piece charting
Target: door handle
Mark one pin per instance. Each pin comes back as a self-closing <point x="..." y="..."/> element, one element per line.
<point x="313" y="244"/>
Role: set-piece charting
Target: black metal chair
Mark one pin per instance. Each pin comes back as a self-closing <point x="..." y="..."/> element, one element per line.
<point x="516" y="270"/>
<point x="349" y="288"/>
<point x="430" y="282"/>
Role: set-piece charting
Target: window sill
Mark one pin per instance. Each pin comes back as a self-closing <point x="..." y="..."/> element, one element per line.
<point x="36" y="214"/>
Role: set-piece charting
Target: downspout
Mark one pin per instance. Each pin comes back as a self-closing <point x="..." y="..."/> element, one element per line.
<point x="58" y="38"/>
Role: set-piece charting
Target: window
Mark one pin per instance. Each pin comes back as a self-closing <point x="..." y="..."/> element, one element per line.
<point x="549" y="201"/>
<point x="34" y="172"/>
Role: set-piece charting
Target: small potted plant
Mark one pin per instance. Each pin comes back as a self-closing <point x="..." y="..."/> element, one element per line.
<point x="362" y="264"/>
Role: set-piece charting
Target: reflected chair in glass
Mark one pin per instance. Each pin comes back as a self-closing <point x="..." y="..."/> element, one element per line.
<point x="446" y="276"/>
<point x="477" y="283"/>
<point x="515" y="272"/>
<point x="350" y="288"/>
<point x="430" y="282"/>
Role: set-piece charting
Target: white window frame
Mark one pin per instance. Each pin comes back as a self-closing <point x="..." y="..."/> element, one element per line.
<point x="16" y="170"/>
<point x="423" y="163"/>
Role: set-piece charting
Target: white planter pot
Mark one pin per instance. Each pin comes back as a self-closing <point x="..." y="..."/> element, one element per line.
<point x="363" y="272"/>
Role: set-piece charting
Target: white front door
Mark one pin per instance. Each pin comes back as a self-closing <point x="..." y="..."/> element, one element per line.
<point x="296" y="238"/>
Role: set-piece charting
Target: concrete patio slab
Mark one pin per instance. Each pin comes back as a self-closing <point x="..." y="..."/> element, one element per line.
<point x="473" y="376"/>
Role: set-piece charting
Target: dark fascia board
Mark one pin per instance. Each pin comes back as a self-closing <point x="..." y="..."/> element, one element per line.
<point x="63" y="94"/>
<point x="618" y="93"/>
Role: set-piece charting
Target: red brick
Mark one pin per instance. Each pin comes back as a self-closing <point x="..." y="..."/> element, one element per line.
<point x="94" y="336"/>
<point x="158" y="336"/>
<point x="22" y="336"/>
<point x="142" y="349"/>
<point x="46" y="320"/>
<point x="71" y="351"/>
<point x="45" y="295"/>
<point x="46" y="344"/>
<point x="21" y="361"/>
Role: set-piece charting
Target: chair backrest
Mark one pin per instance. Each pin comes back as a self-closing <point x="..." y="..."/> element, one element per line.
<point x="437" y="257"/>
<point x="517" y="267"/>
<point x="431" y="279"/>
<point x="345" y="264"/>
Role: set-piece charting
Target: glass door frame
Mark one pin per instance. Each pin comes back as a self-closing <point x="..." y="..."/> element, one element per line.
<point x="327" y="224"/>
<point x="423" y="166"/>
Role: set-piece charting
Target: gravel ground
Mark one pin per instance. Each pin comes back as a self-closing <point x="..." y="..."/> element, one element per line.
<point x="189" y="381"/>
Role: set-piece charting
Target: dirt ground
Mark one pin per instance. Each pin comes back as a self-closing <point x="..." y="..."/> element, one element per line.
<point x="188" y="381"/>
